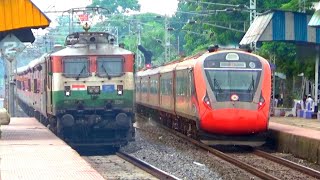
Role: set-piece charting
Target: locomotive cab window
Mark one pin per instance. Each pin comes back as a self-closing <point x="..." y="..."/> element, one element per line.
<point x="240" y="77"/>
<point x="109" y="66"/>
<point x="77" y="67"/>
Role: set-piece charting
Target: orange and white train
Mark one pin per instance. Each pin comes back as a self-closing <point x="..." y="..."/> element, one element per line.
<point x="218" y="97"/>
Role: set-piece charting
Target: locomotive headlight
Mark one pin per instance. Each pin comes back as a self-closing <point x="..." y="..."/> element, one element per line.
<point x="206" y="101"/>
<point x="67" y="91"/>
<point x="261" y="102"/>
<point x="93" y="90"/>
<point x="234" y="97"/>
<point x="120" y="90"/>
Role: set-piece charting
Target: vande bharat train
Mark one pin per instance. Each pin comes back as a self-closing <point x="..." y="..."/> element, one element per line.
<point x="84" y="92"/>
<point x="220" y="97"/>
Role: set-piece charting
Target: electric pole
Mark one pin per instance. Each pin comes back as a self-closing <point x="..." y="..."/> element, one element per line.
<point x="166" y="40"/>
<point x="253" y="14"/>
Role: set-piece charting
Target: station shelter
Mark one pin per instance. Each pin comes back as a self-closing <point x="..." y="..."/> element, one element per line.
<point x="288" y="26"/>
<point x="17" y="18"/>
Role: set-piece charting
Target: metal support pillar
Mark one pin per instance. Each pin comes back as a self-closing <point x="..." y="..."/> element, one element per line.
<point x="11" y="90"/>
<point x="166" y="40"/>
<point x="253" y="14"/>
<point x="316" y="79"/>
<point x="139" y="58"/>
<point x="273" y="60"/>
<point x="253" y="10"/>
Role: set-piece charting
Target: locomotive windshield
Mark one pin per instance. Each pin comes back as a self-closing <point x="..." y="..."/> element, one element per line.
<point x="109" y="66"/>
<point x="233" y="73"/>
<point x="77" y="67"/>
<point x="224" y="83"/>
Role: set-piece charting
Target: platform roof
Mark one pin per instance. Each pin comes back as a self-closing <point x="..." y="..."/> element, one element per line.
<point x="315" y="20"/>
<point x="19" y="17"/>
<point x="277" y="25"/>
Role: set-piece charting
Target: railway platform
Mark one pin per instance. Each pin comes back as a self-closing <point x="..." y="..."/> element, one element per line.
<point x="28" y="150"/>
<point x="298" y="136"/>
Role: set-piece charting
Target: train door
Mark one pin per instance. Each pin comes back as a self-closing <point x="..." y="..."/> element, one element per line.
<point x="190" y="90"/>
<point x="48" y="87"/>
<point x="43" y="94"/>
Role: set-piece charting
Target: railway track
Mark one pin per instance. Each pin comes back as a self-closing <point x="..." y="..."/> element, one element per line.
<point x="247" y="167"/>
<point x="146" y="167"/>
<point x="287" y="163"/>
<point x="124" y="166"/>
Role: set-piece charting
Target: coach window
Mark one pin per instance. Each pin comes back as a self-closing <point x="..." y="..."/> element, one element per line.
<point x="29" y="84"/>
<point x="18" y="84"/>
<point x="35" y="86"/>
<point x="109" y="66"/>
<point x="77" y="67"/>
<point x="166" y="86"/>
<point x="144" y="86"/>
<point x="153" y="86"/>
<point x="182" y="84"/>
<point x="23" y="85"/>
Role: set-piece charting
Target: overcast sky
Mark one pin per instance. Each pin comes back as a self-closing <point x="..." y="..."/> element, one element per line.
<point x="156" y="6"/>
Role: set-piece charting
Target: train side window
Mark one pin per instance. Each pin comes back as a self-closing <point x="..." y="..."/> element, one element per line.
<point x="49" y="73"/>
<point x="35" y="86"/>
<point x="144" y="85"/>
<point x="23" y="85"/>
<point x="29" y="84"/>
<point x="153" y="86"/>
<point x="156" y="85"/>
<point x="18" y="84"/>
<point x="166" y="86"/>
<point x="182" y="83"/>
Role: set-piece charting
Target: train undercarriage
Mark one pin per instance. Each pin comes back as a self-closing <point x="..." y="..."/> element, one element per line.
<point x="190" y="128"/>
<point x="87" y="128"/>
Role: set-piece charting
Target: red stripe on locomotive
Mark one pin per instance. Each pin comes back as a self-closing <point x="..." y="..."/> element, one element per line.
<point x="57" y="63"/>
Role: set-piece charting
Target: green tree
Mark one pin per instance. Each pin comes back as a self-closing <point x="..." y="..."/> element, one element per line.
<point x="289" y="59"/>
<point x="117" y="6"/>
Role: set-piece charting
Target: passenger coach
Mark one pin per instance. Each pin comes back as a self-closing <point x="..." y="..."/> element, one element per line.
<point x="219" y="97"/>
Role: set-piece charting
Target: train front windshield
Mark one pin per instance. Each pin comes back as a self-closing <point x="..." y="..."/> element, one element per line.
<point x="233" y="76"/>
<point x="225" y="83"/>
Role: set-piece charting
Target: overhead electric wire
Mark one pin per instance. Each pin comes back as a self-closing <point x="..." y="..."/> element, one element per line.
<point x="210" y="3"/>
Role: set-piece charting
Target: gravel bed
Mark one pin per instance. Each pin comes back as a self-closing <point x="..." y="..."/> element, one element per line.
<point x="270" y="167"/>
<point x="113" y="167"/>
<point x="306" y="163"/>
<point x="178" y="157"/>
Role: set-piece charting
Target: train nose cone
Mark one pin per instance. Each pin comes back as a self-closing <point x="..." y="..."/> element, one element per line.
<point x="122" y="120"/>
<point x="232" y="122"/>
<point x="67" y="120"/>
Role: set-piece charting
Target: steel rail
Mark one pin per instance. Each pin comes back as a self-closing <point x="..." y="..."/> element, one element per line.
<point x="261" y="174"/>
<point x="238" y="163"/>
<point x="287" y="163"/>
<point x="146" y="167"/>
<point x="244" y="166"/>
